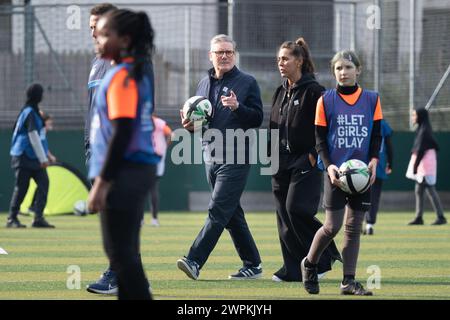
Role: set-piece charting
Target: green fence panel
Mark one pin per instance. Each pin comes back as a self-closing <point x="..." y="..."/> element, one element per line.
<point x="179" y="180"/>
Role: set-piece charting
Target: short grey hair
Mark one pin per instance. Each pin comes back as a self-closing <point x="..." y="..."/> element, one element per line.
<point x="223" y="38"/>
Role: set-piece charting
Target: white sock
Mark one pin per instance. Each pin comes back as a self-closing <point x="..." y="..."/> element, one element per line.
<point x="369" y="225"/>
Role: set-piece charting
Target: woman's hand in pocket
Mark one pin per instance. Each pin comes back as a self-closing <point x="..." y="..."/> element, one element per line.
<point x="312" y="160"/>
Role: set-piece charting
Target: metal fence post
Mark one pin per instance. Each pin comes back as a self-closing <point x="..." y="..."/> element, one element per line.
<point x="377" y="55"/>
<point x="231" y="23"/>
<point x="187" y="52"/>
<point x="29" y="43"/>
<point x="337" y="32"/>
<point x="230" y="18"/>
<point x="353" y="28"/>
<point x="412" y="48"/>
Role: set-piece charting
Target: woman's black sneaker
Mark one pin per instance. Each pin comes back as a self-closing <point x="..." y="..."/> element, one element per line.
<point x="439" y="220"/>
<point x="355" y="288"/>
<point x="416" y="221"/>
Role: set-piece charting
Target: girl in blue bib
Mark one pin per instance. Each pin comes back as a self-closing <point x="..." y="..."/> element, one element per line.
<point x="123" y="160"/>
<point x="29" y="159"/>
<point x="347" y="127"/>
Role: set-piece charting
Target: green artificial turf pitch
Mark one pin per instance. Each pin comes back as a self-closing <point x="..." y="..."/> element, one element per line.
<point x="413" y="262"/>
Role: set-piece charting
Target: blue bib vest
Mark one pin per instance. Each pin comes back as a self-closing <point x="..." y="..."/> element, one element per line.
<point x="140" y="148"/>
<point x="349" y="126"/>
<point x="98" y="71"/>
<point x="20" y="143"/>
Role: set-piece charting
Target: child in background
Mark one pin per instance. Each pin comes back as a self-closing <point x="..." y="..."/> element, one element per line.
<point x="161" y="140"/>
<point x="422" y="167"/>
<point x="29" y="159"/>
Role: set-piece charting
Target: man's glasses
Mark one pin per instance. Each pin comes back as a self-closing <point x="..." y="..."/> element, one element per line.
<point x="228" y="53"/>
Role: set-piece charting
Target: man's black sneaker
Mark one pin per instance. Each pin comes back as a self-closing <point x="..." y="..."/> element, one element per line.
<point x="247" y="273"/>
<point x="310" y="278"/>
<point x="354" y="288"/>
<point x="14" y="223"/>
<point x="416" y="221"/>
<point x="439" y="220"/>
<point x="190" y="267"/>
<point x="41" y="223"/>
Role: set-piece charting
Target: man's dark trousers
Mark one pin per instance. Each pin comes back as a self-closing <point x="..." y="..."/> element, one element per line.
<point x="227" y="182"/>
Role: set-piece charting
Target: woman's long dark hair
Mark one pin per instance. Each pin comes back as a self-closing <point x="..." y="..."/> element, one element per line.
<point x="424" y="134"/>
<point x="137" y="26"/>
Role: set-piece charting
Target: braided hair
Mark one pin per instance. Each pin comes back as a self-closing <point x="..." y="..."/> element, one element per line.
<point x="137" y="26"/>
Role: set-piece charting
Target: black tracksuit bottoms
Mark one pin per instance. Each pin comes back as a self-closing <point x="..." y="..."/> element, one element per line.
<point x="121" y="225"/>
<point x="297" y="196"/>
<point x="23" y="177"/>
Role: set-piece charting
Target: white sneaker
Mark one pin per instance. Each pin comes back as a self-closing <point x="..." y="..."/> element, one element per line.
<point x="321" y="275"/>
<point x="155" y="222"/>
<point x="276" y="279"/>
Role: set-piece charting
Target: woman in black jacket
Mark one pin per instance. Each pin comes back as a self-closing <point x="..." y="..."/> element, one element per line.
<point x="296" y="185"/>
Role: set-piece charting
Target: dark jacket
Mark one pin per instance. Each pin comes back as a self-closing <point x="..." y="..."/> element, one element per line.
<point x="293" y="113"/>
<point x="248" y="115"/>
<point x="250" y="111"/>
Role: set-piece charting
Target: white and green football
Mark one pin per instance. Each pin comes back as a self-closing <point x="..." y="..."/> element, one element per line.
<point x="354" y="176"/>
<point x="198" y="108"/>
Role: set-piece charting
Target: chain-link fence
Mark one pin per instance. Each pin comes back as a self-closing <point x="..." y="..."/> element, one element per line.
<point x="51" y="44"/>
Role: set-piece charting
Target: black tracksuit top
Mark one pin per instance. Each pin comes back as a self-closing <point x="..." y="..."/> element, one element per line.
<point x="293" y="113"/>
